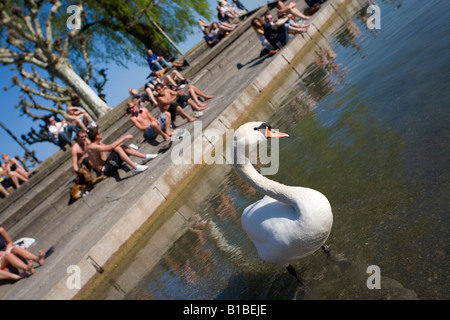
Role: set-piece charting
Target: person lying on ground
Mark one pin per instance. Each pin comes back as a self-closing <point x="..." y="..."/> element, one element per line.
<point x="119" y="153"/>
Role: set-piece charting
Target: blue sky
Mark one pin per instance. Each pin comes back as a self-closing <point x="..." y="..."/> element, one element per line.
<point x="116" y="89"/>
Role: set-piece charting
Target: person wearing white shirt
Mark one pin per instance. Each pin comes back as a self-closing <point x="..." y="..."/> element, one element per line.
<point x="61" y="132"/>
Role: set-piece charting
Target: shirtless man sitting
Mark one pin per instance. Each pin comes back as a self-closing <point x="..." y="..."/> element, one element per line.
<point x="119" y="153"/>
<point x="184" y="98"/>
<point x="172" y="101"/>
<point x="148" y="124"/>
<point x="79" y="151"/>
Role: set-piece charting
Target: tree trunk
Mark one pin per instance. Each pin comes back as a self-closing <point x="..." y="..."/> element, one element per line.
<point x="65" y="72"/>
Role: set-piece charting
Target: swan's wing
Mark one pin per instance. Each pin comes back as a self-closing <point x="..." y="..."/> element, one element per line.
<point x="279" y="232"/>
<point x="266" y="216"/>
<point x="270" y="225"/>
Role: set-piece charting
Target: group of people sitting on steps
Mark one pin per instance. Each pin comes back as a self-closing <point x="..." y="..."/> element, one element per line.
<point x="170" y="92"/>
<point x="290" y="21"/>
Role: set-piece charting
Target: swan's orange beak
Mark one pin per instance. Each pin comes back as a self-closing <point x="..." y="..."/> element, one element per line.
<point x="275" y="134"/>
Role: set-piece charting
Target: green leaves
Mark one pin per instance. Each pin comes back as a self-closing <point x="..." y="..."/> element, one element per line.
<point x="127" y="27"/>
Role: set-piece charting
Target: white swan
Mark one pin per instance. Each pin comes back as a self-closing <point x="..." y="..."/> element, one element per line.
<point x="289" y="223"/>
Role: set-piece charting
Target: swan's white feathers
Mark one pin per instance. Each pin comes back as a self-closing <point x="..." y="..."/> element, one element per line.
<point x="283" y="234"/>
<point x="289" y="223"/>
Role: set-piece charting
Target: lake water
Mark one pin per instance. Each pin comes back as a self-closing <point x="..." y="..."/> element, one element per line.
<point x="369" y="128"/>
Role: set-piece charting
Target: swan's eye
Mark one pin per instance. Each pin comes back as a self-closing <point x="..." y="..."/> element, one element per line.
<point x="263" y="126"/>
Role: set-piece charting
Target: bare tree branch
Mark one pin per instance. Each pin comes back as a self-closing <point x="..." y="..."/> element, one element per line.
<point x="29" y="25"/>
<point x="83" y="48"/>
<point x="27" y="89"/>
<point x="8" y="56"/>
<point x="31" y="42"/>
<point x="35" y="18"/>
<point x="43" y="84"/>
<point x="48" y="24"/>
<point x="12" y="23"/>
<point x="25" y="107"/>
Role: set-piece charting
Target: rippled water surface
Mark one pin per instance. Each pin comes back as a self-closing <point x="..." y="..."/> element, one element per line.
<point x="371" y="132"/>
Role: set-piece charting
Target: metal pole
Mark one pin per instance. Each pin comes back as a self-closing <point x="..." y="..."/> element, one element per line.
<point x="163" y="33"/>
<point x="20" y="143"/>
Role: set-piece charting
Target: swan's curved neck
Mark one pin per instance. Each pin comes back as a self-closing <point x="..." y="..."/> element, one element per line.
<point x="264" y="185"/>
